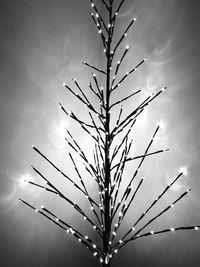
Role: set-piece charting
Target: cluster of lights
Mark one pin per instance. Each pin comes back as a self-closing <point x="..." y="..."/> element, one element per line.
<point x="98" y="172"/>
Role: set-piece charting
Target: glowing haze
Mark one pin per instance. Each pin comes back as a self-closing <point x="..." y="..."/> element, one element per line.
<point x="43" y="44"/>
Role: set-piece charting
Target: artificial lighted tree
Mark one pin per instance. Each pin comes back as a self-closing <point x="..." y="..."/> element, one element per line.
<point x="110" y="156"/>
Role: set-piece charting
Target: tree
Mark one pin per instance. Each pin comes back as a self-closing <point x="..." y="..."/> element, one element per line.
<point x="111" y="153"/>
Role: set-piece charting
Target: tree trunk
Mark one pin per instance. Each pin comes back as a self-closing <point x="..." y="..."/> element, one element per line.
<point x="106" y="265"/>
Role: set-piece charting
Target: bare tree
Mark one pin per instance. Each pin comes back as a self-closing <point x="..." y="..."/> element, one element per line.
<point x="110" y="157"/>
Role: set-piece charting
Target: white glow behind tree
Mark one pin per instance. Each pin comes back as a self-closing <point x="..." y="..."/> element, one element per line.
<point x="110" y="156"/>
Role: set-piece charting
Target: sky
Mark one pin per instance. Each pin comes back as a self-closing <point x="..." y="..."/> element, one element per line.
<point x="42" y="44"/>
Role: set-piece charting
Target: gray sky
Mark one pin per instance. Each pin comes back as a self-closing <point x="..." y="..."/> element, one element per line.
<point x="42" y="43"/>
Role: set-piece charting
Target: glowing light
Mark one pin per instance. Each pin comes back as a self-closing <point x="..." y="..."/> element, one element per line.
<point x="24" y="180"/>
<point x="183" y="170"/>
<point x="134" y="19"/>
<point x="64" y="84"/>
<point x="196" y="228"/>
<point x="172" y="229"/>
<point x="107" y="259"/>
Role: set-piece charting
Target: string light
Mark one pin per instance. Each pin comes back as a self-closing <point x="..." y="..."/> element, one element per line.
<point x="104" y="136"/>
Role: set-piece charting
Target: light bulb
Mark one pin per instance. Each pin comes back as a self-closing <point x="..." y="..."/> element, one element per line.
<point x="183" y="170"/>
